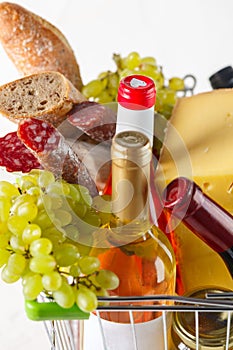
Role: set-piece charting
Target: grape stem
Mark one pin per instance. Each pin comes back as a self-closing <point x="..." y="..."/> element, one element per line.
<point x="84" y="279"/>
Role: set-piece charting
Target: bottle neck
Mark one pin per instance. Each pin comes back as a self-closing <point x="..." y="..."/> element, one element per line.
<point x="136" y="120"/>
<point x="210" y="222"/>
<point x="131" y="156"/>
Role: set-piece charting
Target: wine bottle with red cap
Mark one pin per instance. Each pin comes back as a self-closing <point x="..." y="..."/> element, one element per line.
<point x="137" y="251"/>
<point x="185" y="201"/>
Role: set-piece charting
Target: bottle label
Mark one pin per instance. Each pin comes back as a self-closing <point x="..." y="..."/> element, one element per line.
<point x="136" y="120"/>
<point x="115" y="336"/>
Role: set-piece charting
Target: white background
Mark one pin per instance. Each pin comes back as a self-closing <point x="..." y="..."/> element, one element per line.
<point x="184" y="36"/>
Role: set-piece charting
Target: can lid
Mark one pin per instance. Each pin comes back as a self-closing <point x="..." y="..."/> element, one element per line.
<point x="222" y="78"/>
<point x="136" y="92"/>
<point x="212" y="325"/>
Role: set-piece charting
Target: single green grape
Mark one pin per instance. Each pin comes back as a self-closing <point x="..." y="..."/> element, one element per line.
<point x="64" y="296"/>
<point x="66" y="254"/>
<point x="166" y="97"/>
<point x="107" y="279"/>
<point x="133" y="60"/>
<point x="7" y="189"/>
<point x="89" y="264"/>
<point x="27" y="210"/>
<point x="93" y="88"/>
<point x="16" y="224"/>
<point x="52" y="281"/>
<point x="176" y="84"/>
<point x="92" y="219"/>
<point x="86" y="300"/>
<point x="42" y="264"/>
<point x="8" y="277"/>
<point x="16" y="264"/>
<point x="63" y="216"/>
<point x="31" y="233"/>
<point x="32" y="286"/>
<point x="41" y="246"/>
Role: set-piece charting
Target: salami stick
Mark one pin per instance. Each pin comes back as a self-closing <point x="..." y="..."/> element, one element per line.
<point x="54" y="153"/>
<point x="95" y="120"/>
<point x="15" y="156"/>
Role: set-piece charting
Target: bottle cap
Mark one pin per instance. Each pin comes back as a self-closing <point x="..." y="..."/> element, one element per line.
<point x="222" y="78"/>
<point x="136" y="92"/>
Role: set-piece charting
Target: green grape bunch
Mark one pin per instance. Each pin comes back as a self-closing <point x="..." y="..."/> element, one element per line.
<point x="104" y="88"/>
<point x="40" y="241"/>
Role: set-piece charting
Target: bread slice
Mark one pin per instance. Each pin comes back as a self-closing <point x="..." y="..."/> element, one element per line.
<point x="35" y="45"/>
<point x="47" y="95"/>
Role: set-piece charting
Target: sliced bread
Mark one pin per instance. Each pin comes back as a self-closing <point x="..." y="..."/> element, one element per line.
<point x="47" y="95"/>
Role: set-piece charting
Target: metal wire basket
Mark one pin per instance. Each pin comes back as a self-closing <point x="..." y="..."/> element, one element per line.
<point x="69" y="335"/>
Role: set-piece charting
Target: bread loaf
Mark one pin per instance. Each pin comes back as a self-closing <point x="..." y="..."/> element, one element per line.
<point x="47" y="95"/>
<point x="35" y="45"/>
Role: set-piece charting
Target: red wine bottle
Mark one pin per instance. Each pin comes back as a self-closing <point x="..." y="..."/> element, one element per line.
<point x="186" y="201"/>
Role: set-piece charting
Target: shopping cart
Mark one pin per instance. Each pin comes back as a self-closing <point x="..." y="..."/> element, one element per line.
<point x="68" y="334"/>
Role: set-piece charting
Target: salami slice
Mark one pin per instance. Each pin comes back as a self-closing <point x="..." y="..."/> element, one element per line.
<point x="54" y="153"/>
<point x="95" y="120"/>
<point x="15" y="156"/>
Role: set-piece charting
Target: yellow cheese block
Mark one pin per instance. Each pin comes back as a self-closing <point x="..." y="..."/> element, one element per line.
<point x="199" y="145"/>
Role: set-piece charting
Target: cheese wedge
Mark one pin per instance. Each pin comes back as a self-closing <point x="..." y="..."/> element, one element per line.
<point x="199" y="145"/>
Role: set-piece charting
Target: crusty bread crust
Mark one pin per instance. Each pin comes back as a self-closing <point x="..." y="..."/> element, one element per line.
<point x="35" y="45"/>
<point x="47" y="95"/>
